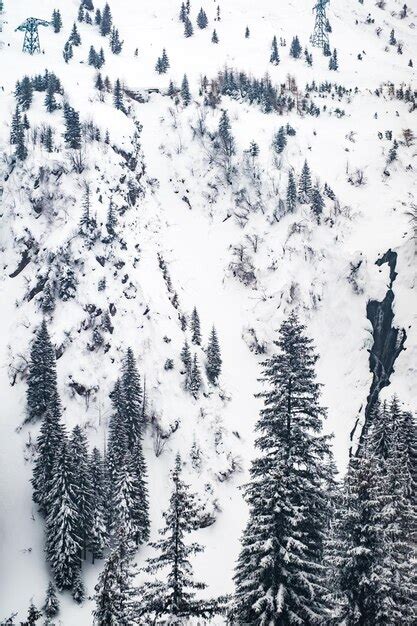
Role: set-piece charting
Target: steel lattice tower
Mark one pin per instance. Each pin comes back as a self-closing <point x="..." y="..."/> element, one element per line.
<point x="320" y="38"/>
<point x="31" y="41"/>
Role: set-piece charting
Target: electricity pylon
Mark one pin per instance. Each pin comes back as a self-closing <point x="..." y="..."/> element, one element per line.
<point x="30" y="28"/>
<point x="320" y="38"/>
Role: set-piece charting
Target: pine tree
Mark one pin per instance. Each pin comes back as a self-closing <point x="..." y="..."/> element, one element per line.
<point x="56" y="20"/>
<point x="214" y="360"/>
<point x="78" y="591"/>
<point x="185" y="91"/>
<point x="97" y="17"/>
<point x="186" y="356"/>
<point x="82" y="486"/>
<point x="195" y="328"/>
<point x="188" y="28"/>
<point x="67" y="52"/>
<point x="115" y="594"/>
<point x="106" y="21"/>
<point x="88" y="5"/>
<point x="72" y="127"/>
<point x="118" y="96"/>
<point x="274" y="59"/>
<point x="291" y="194"/>
<point x="304" y="185"/>
<point x="183" y="13"/>
<point x="279" y="575"/>
<point x="51" y="604"/>
<point x="33" y="615"/>
<point x="174" y="598"/>
<point x="279" y="141"/>
<point x="63" y="543"/>
<point x="49" y="145"/>
<point x="50" y="101"/>
<point x="226" y="138"/>
<point x="247" y="32"/>
<point x="24" y="93"/>
<point x="333" y="64"/>
<point x="131" y="397"/>
<point x="50" y="439"/>
<point x="317" y="203"/>
<point x="17" y="136"/>
<point x="87" y="223"/>
<point x="202" y="20"/>
<point x="98" y="539"/>
<point x="116" y="45"/>
<point x="74" y="37"/>
<point x="126" y="497"/>
<point x="392" y="39"/>
<point x="81" y="13"/>
<point x="42" y="382"/>
<point x="214" y="37"/>
<point x="164" y="61"/>
<point x="295" y="49"/>
<point x="111" y="221"/>
<point x="195" y="381"/>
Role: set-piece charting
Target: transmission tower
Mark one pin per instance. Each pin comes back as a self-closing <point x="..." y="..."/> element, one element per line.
<point x="30" y="28"/>
<point x="320" y="38"/>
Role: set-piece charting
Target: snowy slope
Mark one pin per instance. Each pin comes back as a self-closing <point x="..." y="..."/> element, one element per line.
<point x="297" y="262"/>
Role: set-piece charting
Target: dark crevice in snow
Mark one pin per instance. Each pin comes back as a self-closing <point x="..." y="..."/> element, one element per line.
<point x="388" y="339"/>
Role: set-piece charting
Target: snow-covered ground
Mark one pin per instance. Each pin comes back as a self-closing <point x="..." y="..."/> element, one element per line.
<point x="297" y="262"/>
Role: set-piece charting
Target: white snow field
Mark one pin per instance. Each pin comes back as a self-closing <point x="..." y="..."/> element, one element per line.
<point x="189" y="214"/>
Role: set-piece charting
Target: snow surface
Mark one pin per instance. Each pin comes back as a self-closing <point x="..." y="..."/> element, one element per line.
<point x="306" y="267"/>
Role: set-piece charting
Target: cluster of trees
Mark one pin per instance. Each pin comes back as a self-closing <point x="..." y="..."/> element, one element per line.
<point x="307" y="194"/>
<point x="312" y="551"/>
<point x="84" y="498"/>
<point x="193" y="378"/>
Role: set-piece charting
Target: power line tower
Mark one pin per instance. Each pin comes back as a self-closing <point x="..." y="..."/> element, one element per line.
<point x="320" y="38"/>
<point x="30" y="28"/>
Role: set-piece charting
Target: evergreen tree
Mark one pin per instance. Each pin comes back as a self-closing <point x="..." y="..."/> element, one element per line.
<point x="164" y="61"/>
<point x="81" y="13"/>
<point x="49" y="145"/>
<point x="295" y="49"/>
<point x="82" y="486"/>
<point x="118" y="96"/>
<point x="111" y="221"/>
<point x="98" y="539"/>
<point x="56" y="21"/>
<point x="131" y="399"/>
<point x="333" y="63"/>
<point x="226" y="138"/>
<point x="97" y="17"/>
<point x="115" y="44"/>
<point x="183" y="13"/>
<point x="214" y="360"/>
<point x="274" y="59"/>
<point x="78" y="591"/>
<point x="317" y="203"/>
<point x="67" y="52"/>
<point x="195" y="381"/>
<point x="115" y="594"/>
<point x="186" y="356"/>
<point x="202" y="20"/>
<point x="72" y="127"/>
<point x="304" y="185"/>
<point x="188" y="28"/>
<point x="88" y="5"/>
<point x="291" y="194"/>
<point x="63" y="544"/>
<point x="106" y="21"/>
<point x="247" y="32"/>
<point x="195" y="327"/>
<point x="185" y="91"/>
<point x="214" y="37"/>
<point x="33" y="615"/>
<point x="392" y="39"/>
<point x="279" y="575"/>
<point x="51" y="604"/>
<point x="42" y="382"/>
<point x="24" y="93"/>
<point x="87" y="223"/>
<point x="279" y="141"/>
<point x="74" y="37"/>
<point x="50" y="101"/>
<point x="174" y="598"/>
<point x="50" y="438"/>
<point x="17" y="136"/>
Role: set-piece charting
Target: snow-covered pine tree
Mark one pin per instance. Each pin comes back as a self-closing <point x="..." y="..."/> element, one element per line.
<point x="98" y="539"/>
<point x="80" y="13"/>
<point x="291" y="193"/>
<point x="195" y="327"/>
<point x="82" y="486"/>
<point x="214" y="360"/>
<point x="49" y="145"/>
<point x="195" y="380"/>
<point x="88" y="5"/>
<point x="279" y="140"/>
<point x="183" y="13"/>
<point x="74" y="37"/>
<point x="126" y="500"/>
<point x="188" y="28"/>
<point x="33" y="615"/>
<point x="131" y="399"/>
<point x="116" y="45"/>
<point x="226" y="138"/>
<point x="317" y="203"/>
<point x="78" y="591"/>
<point x="115" y="593"/>
<point x="73" y="127"/>
<point x="50" y="100"/>
<point x="247" y="32"/>
<point x="164" y="61"/>
<point x="214" y="37"/>
<point x="63" y="543"/>
<point x="50" y="439"/>
<point x="173" y="599"/>
<point x="202" y="20"/>
<point x="67" y="52"/>
<point x="97" y="17"/>
<point x="56" y="21"/>
<point x="118" y="96"/>
<point x="295" y="48"/>
<point x="42" y="389"/>
<point x="24" y="93"/>
<point x="274" y="58"/>
<point x="106" y="21"/>
<point x="185" y="91"/>
<point x="51" y="604"/>
<point x="279" y="575"/>
<point x="304" y="185"/>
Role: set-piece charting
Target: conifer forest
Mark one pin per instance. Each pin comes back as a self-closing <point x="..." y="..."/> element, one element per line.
<point x="208" y="307"/>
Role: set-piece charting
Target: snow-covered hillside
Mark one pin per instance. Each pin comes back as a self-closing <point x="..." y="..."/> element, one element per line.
<point x="195" y="229"/>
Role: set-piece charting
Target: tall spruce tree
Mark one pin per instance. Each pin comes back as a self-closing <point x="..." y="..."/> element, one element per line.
<point x="106" y="21"/>
<point x="41" y="382"/>
<point x="279" y="574"/>
<point x="82" y="486"/>
<point x="195" y="380"/>
<point x="72" y="127"/>
<point x="63" y="543"/>
<point x="274" y="59"/>
<point x="185" y="91"/>
<point x="51" y="604"/>
<point x="118" y="96"/>
<point x="98" y="539"/>
<point x="291" y="194"/>
<point x="195" y="327"/>
<point x="131" y="399"/>
<point x="295" y="48"/>
<point x="56" y="21"/>
<point x="304" y="185"/>
<point x="202" y="20"/>
<point x="173" y="599"/>
<point x="214" y="360"/>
